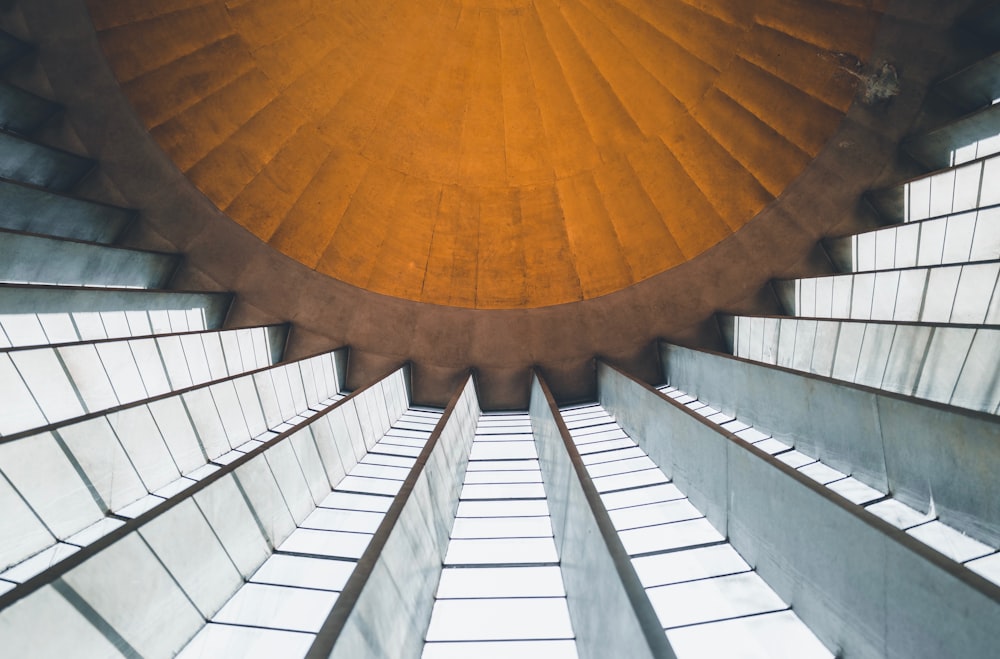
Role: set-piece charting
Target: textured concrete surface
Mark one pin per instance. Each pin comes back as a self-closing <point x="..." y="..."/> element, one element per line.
<point x="927" y="455"/>
<point x="864" y="587"/>
<point x="44" y="260"/>
<point x="609" y="609"/>
<point x="402" y="564"/>
<point x="502" y="345"/>
<point x="24" y="208"/>
<point x="489" y="155"/>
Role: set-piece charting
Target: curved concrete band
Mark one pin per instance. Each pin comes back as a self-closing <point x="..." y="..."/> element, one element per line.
<point x="501" y="345"/>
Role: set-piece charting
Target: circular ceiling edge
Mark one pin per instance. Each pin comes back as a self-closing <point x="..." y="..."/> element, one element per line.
<point x="489" y="155"/>
<point x="442" y="342"/>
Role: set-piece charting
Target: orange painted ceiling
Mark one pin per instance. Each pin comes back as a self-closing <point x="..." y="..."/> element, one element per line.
<point x="488" y="153"/>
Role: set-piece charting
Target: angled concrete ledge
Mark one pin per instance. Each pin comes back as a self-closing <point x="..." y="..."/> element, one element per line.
<point x="33" y="209"/>
<point x="23" y="159"/>
<point x="303" y="461"/>
<point x="403" y="562"/>
<point x="943" y="362"/>
<point x="38" y="259"/>
<point x="865" y="588"/>
<point x="611" y="613"/>
<point x="926" y="454"/>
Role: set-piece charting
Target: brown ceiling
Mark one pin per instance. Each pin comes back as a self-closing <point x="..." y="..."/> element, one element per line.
<point x="494" y="154"/>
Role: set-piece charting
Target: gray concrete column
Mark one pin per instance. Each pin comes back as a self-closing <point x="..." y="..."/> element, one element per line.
<point x="863" y="586"/>
<point x="609" y="609"/>
<point x="385" y="607"/>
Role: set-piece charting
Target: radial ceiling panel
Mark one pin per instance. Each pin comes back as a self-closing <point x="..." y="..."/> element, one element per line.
<point x="488" y="153"/>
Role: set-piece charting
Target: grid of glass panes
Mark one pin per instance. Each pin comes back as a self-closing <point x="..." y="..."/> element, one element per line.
<point x="958" y="367"/>
<point x="285" y="602"/>
<point x="981" y="148"/>
<point x="45" y="385"/>
<point x="977" y="556"/>
<point x="501" y="592"/>
<point x="937" y="294"/>
<point x="709" y="600"/>
<point x="962" y="188"/>
<point x="68" y="486"/>
<point x="961" y="238"/>
<point x="46" y="315"/>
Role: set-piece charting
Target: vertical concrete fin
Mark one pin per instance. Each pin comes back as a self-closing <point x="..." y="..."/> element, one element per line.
<point x="402" y="563"/>
<point x="610" y="611"/>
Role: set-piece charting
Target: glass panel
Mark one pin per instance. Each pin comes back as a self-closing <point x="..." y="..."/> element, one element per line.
<point x="21" y="532"/>
<point x="277" y="607"/>
<point x="88" y="375"/>
<point x="501" y="582"/>
<point x="504" y="491"/>
<point x="654" y="494"/>
<point x="953" y="544"/>
<point x="898" y="514"/>
<point x="502" y="527"/>
<point x="620" y="466"/>
<point x="47" y="480"/>
<point x="514" y="508"/>
<point x="669" y="536"/>
<point x="689" y="565"/>
<point x="105" y="463"/>
<point x="304" y="572"/>
<point x="855" y="491"/>
<point x="630" y="480"/>
<point x="352" y="501"/>
<point x="501" y="650"/>
<point x="246" y="643"/>
<point x="328" y="519"/>
<point x="335" y="544"/>
<point x="140" y="436"/>
<point x="770" y="636"/>
<point x="655" y="513"/>
<point x="713" y="599"/>
<point x="35" y="618"/>
<point x="496" y="619"/>
<point x="502" y="476"/>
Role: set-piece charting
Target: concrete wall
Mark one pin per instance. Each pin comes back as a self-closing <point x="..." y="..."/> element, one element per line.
<point x="386" y="605"/>
<point x="190" y="553"/>
<point x="865" y="588"/>
<point x="609" y="609"/>
<point x="920" y="452"/>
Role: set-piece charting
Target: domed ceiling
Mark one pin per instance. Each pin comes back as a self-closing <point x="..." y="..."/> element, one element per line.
<point x="491" y="154"/>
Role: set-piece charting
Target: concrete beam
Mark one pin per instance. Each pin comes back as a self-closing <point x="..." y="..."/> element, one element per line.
<point x="141" y="608"/>
<point x="926" y="454"/>
<point x="865" y="588"/>
<point x="610" y="611"/>
<point x="385" y="607"/>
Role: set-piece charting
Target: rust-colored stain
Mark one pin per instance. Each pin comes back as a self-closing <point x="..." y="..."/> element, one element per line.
<point x="488" y="153"/>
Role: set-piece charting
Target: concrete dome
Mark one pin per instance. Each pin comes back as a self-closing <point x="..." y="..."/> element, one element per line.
<point x="497" y="154"/>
